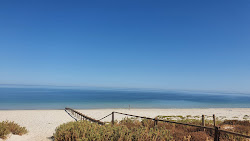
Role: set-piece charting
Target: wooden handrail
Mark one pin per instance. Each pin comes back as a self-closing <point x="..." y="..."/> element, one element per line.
<point x="86" y="117"/>
<point x="168" y="121"/>
<point x="205" y="127"/>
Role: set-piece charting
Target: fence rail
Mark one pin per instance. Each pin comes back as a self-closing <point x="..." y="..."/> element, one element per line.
<point x="84" y="117"/>
<point x="216" y="129"/>
<point x="167" y="121"/>
<point x="105" y="116"/>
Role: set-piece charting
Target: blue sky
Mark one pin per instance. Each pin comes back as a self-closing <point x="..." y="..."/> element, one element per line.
<point x="171" y="44"/>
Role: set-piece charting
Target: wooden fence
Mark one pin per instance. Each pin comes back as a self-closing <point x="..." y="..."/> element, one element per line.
<point x="216" y="129"/>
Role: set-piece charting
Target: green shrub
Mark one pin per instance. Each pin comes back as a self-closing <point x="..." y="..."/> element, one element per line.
<point x="7" y="127"/>
<point x="87" y="131"/>
<point x="133" y="130"/>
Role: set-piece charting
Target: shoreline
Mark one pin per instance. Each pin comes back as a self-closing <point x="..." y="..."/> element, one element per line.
<point x="41" y="124"/>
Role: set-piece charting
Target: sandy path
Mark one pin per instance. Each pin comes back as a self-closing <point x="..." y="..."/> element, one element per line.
<point x="42" y="123"/>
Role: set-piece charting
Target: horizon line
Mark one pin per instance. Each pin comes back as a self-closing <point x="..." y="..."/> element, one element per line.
<point x="126" y="88"/>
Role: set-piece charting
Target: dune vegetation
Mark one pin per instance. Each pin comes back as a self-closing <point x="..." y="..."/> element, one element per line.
<point x="144" y="130"/>
<point x="85" y="130"/>
<point x="7" y="127"/>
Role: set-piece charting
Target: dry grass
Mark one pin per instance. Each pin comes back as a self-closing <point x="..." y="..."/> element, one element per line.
<point x="7" y="127"/>
<point x="242" y="127"/>
<point x="197" y="134"/>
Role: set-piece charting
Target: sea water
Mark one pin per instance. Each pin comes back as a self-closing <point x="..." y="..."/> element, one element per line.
<point x="80" y="98"/>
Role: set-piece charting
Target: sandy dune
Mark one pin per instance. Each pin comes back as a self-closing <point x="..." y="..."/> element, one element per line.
<point x="41" y="124"/>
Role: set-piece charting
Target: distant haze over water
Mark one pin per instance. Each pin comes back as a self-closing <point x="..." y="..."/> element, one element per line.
<point x="94" y="98"/>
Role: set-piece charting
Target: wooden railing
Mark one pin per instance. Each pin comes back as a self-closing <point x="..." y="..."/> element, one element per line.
<point x="83" y="117"/>
<point x="216" y="129"/>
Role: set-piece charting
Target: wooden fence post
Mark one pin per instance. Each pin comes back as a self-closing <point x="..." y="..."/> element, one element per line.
<point x="214" y="119"/>
<point x="216" y="134"/>
<point x="203" y="122"/>
<point x="155" y="122"/>
<point x="113" y="118"/>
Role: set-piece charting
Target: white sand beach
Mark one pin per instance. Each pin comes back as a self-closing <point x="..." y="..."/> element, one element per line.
<point x="41" y="124"/>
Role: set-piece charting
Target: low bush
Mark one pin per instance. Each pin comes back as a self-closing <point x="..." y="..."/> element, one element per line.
<point x="7" y="127"/>
<point x="237" y="122"/>
<point x="87" y="131"/>
<point x="140" y="130"/>
<point x="238" y="126"/>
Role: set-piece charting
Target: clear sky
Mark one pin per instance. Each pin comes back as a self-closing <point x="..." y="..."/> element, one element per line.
<point x="170" y="44"/>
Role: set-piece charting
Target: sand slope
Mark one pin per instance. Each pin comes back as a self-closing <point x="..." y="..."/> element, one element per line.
<point x="41" y="124"/>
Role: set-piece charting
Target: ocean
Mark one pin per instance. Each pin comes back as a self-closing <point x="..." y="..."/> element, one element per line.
<point x="85" y="98"/>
